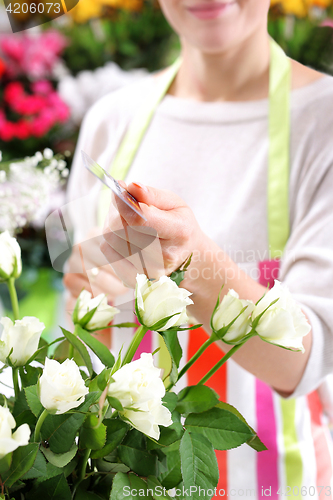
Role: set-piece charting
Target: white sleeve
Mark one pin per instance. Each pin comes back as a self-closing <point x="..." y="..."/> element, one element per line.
<point x="307" y="266"/>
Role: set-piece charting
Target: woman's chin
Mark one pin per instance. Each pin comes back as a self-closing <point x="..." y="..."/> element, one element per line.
<point x="214" y="43"/>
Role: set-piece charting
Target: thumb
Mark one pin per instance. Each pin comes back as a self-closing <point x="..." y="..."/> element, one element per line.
<point x="159" y="198"/>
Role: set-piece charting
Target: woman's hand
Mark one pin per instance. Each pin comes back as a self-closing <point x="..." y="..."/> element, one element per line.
<point x="87" y="269"/>
<point x="156" y="247"/>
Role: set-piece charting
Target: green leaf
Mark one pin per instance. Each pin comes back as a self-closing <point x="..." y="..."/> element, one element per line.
<point x="87" y="317"/>
<point x="220" y="334"/>
<point x="115" y="403"/>
<point x="170" y="400"/>
<point x="128" y="486"/>
<point x="140" y="461"/>
<point x="215" y="308"/>
<point x="29" y="375"/>
<point x="222" y="427"/>
<point x="116" y="430"/>
<point x="103" y="379"/>
<point x="101" y="351"/>
<point x="162" y="322"/>
<point x="60" y="430"/>
<point x="91" y="436"/>
<point x="172" y="343"/>
<point x="55" y="488"/>
<point x="111" y="467"/>
<point x="5" y="463"/>
<point x="38" y="469"/>
<point x="62" y="352"/>
<point x="23" y="459"/>
<point x="59" y="459"/>
<point x="86" y="495"/>
<point x="170" y="473"/>
<point x="125" y="325"/>
<point x="158" y="491"/>
<point x="178" y="275"/>
<point x="33" y="400"/>
<point x="256" y="320"/>
<point x="117" y="364"/>
<point x="135" y="439"/>
<point x="171" y="434"/>
<point x="254" y="442"/>
<point x="22" y="412"/>
<point x="197" y="398"/>
<point x="81" y="348"/>
<point x="41" y="352"/>
<point x="198" y="463"/>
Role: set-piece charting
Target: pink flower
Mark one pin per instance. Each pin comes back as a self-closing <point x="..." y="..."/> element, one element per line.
<point x="22" y="130"/>
<point x="42" y="87"/>
<point x="7" y="131"/>
<point x="13" y="92"/>
<point x="32" y="55"/>
<point x="328" y="22"/>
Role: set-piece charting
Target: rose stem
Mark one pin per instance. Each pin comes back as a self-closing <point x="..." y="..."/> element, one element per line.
<point x="139" y="334"/>
<point x="13" y="298"/>
<point x="39" y="424"/>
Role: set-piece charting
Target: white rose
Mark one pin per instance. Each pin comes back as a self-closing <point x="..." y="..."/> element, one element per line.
<point x="284" y="323"/>
<point x="227" y="311"/>
<point x="23" y="337"/>
<point x="103" y="315"/>
<point x="138" y="386"/>
<point x="159" y="299"/>
<point x="10" y="257"/>
<point x="8" y="441"/>
<point x="61" y="386"/>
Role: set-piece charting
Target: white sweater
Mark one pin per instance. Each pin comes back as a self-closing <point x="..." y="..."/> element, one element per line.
<point x="215" y="156"/>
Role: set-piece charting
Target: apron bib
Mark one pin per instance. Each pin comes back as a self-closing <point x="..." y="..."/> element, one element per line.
<point x="275" y="416"/>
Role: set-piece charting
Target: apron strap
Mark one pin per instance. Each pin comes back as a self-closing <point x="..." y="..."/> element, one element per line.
<point x="279" y="151"/>
<point x="278" y="155"/>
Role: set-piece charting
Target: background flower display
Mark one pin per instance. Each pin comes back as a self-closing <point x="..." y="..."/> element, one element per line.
<point x="303" y="28"/>
<point x="31" y="110"/>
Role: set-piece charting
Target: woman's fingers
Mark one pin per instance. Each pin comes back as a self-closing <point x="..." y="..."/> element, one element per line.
<point x="159" y="198"/>
<point x="75" y="283"/>
<point x="104" y="282"/>
<point x="123" y="268"/>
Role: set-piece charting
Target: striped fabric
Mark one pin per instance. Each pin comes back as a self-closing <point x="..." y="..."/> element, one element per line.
<point x="298" y="462"/>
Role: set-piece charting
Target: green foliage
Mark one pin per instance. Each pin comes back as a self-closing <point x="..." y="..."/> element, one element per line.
<point x="22" y="461"/>
<point x="141" y="39"/>
<point x="125" y="484"/>
<point x="60" y="459"/>
<point x="196" y="399"/>
<point x="198" y="463"/>
<point x="92" y="433"/>
<point x="55" y="488"/>
<point x="116" y="430"/>
<point x="172" y="343"/>
<point x="60" y="430"/>
<point x="80" y="347"/>
<point x="101" y="351"/>
<point x="33" y="400"/>
<point x="222" y="427"/>
<point x="93" y="453"/>
<point x="304" y="40"/>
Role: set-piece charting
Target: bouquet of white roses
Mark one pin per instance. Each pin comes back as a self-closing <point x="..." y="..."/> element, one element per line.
<point x="70" y="433"/>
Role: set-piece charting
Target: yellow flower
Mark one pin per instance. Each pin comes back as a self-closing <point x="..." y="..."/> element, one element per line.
<point x="85" y="10"/>
<point x="133" y="5"/>
<point x="88" y="9"/>
<point x="300" y="8"/>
